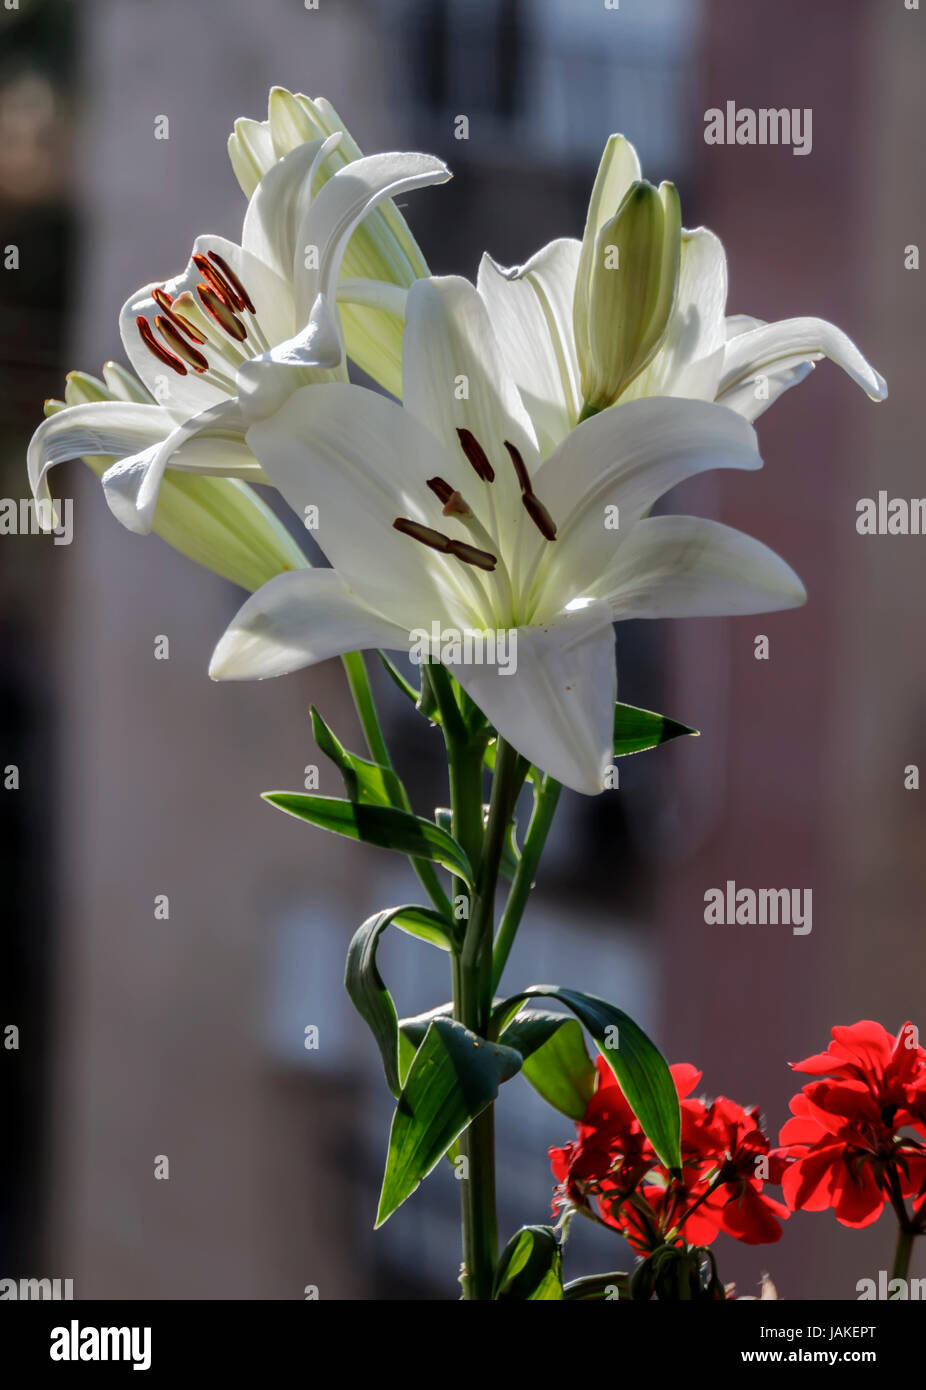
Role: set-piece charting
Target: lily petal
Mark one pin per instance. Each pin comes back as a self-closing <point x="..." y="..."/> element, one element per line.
<point x="454" y="377"/>
<point x="557" y="707"/>
<point x="296" y="620"/>
<point x="753" y="396"/>
<point x="530" y="307"/>
<point x="278" y="205"/>
<point x="626" y="458"/>
<point x="341" y="204"/>
<point x="363" y="461"/>
<point x="688" y="567"/>
<point x="372" y="314"/>
<point x="313" y="355"/>
<point x="103" y="429"/>
<point x="749" y="353"/>
<point x="211" y="442"/>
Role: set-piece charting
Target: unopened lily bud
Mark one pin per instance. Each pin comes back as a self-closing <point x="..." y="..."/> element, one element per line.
<point x="633" y="282"/>
<point x="219" y="523"/>
<point x="382" y="249"/>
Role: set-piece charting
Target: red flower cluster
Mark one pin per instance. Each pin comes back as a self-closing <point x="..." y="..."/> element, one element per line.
<point x="611" y="1172"/>
<point x="844" y="1147"/>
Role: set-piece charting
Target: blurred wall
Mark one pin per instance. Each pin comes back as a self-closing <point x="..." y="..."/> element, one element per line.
<point x="184" y="1037"/>
<point x="813" y="742"/>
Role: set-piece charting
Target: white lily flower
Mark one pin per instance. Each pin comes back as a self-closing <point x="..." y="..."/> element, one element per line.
<point x="220" y="523"/>
<point x="225" y="341"/>
<point x="541" y="311"/>
<point x="381" y="252"/>
<point x="441" y="511"/>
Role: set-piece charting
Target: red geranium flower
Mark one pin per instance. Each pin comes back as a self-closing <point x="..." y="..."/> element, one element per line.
<point x="735" y="1159"/>
<point x="843" y="1147"/>
<point x="612" y="1172"/>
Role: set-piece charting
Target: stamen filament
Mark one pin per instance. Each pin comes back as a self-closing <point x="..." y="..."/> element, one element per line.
<point x="164" y="301"/>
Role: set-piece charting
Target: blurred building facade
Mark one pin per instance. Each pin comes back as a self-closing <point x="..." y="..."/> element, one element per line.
<point x="185" y="1037"/>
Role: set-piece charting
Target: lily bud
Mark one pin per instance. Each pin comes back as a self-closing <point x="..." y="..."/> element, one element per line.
<point x="631" y="290"/>
<point x="382" y="249"/>
<point x="219" y="523"/>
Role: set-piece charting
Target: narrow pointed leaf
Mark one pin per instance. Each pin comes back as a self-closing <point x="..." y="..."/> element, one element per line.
<point x="364" y="781"/>
<point x="406" y="687"/>
<point x="367" y="988"/>
<point x="637" y="1063"/>
<point x="555" y="1060"/>
<point x="453" y="1077"/>
<point x="638" y="729"/>
<point x="613" y="1287"/>
<point x="531" y="1267"/>
<point x="377" y="825"/>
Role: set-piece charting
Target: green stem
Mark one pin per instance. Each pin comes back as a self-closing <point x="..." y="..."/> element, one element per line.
<point x="359" y="681"/>
<point x="472" y="976"/>
<point x="473" y="1002"/>
<point x="902" y="1253"/>
<point x="534" y="841"/>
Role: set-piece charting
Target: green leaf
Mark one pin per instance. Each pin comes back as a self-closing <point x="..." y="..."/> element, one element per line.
<point x="637" y="1063"/>
<point x="531" y="1267"/>
<point x="407" y="689"/>
<point x="384" y="826"/>
<point x="427" y="925"/>
<point x="364" y="781"/>
<point x="416" y="1027"/>
<point x="367" y="988"/>
<point x="638" y="729"/>
<point x="612" y="1287"/>
<point x="555" y="1060"/>
<point x="453" y="1077"/>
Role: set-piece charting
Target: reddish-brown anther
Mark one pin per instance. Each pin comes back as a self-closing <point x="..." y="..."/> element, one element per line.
<point x="157" y="349"/>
